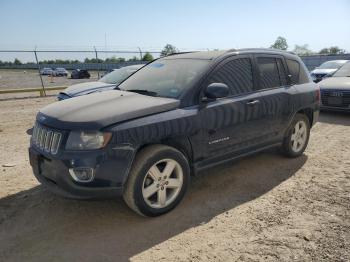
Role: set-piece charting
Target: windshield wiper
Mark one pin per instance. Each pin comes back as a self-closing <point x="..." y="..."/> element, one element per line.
<point x="142" y="92"/>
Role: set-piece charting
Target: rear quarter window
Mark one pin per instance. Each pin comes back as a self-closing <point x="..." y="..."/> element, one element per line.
<point x="298" y="72"/>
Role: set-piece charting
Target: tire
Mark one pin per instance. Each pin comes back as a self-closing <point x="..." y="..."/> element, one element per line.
<point x="297" y="136"/>
<point x="144" y="179"/>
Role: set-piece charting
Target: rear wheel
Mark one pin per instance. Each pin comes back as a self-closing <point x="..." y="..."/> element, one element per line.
<point x="157" y="181"/>
<point x="297" y="136"/>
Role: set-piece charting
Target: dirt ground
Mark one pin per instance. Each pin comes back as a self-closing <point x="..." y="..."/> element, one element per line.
<point x="262" y="208"/>
<point x="13" y="78"/>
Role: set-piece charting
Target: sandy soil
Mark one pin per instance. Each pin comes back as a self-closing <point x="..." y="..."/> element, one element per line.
<point x="265" y="207"/>
<point x="12" y="78"/>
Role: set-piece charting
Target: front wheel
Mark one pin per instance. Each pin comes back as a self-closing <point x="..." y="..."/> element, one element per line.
<point x="297" y="137"/>
<point x="157" y="181"/>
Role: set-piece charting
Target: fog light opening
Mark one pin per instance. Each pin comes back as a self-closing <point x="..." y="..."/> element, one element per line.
<point x="82" y="174"/>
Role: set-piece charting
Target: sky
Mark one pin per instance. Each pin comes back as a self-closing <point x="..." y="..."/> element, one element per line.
<point x="187" y="24"/>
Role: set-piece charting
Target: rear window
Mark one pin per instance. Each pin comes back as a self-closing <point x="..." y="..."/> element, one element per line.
<point x="269" y="74"/>
<point x="298" y="73"/>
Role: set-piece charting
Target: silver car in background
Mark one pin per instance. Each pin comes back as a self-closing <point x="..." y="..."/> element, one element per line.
<point x="46" y="71"/>
<point x="60" y="71"/>
<point x="326" y="69"/>
<point x="335" y="90"/>
<point x="108" y="82"/>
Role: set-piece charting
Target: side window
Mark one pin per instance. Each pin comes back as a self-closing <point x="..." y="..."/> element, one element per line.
<point x="236" y="74"/>
<point x="304" y="76"/>
<point x="269" y="74"/>
<point x="294" y="69"/>
<point x="282" y="72"/>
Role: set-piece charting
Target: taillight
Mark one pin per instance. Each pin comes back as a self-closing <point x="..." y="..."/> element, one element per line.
<point x="318" y="94"/>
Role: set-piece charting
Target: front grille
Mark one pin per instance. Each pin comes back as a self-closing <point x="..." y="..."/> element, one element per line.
<point x="46" y="139"/>
<point x="336" y="98"/>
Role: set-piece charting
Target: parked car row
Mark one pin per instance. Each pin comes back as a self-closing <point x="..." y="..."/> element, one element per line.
<point x="76" y="73"/>
<point x="55" y="72"/>
<point x="170" y="119"/>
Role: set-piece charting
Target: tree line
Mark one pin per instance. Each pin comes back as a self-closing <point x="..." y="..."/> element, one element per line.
<point x="146" y="57"/>
<point x="280" y="43"/>
<point x="167" y="50"/>
<point x="304" y="50"/>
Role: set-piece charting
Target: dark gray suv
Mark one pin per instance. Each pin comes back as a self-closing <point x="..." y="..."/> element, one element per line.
<point x="174" y="117"/>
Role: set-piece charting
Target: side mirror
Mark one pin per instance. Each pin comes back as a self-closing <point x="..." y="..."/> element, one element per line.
<point x="215" y="90"/>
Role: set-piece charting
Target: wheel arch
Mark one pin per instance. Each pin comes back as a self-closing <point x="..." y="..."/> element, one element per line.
<point x="182" y="144"/>
<point x="309" y="113"/>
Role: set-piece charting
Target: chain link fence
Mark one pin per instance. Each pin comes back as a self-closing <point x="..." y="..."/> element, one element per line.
<point x="28" y="69"/>
<point x="22" y="70"/>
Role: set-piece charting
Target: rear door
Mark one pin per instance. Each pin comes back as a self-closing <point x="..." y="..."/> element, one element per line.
<point x="275" y="95"/>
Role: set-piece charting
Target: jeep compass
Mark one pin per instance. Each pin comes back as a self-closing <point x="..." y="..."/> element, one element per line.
<point x="174" y="117"/>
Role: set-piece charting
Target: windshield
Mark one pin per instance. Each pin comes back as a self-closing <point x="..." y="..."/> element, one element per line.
<point x="331" y="65"/>
<point x="117" y="75"/>
<point x="165" y="77"/>
<point x="344" y="71"/>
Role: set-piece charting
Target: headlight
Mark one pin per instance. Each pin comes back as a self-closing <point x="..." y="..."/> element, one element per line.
<point x="87" y="140"/>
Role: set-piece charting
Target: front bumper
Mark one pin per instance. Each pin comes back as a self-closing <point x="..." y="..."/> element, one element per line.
<point x="111" y="169"/>
<point x="335" y="108"/>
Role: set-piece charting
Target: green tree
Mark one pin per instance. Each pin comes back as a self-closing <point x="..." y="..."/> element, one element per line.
<point x="280" y="43"/>
<point x="168" y="50"/>
<point x="302" y="50"/>
<point x="17" y="62"/>
<point x="147" y="57"/>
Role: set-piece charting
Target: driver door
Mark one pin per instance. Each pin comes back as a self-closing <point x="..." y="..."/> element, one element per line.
<point x="232" y="123"/>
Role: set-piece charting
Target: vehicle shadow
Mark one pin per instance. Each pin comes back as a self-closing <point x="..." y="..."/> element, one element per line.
<point x="337" y="118"/>
<point x="37" y="225"/>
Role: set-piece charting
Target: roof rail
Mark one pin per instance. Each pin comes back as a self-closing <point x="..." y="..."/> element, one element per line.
<point x="232" y="50"/>
<point x="261" y="49"/>
<point x="180" y="53"/>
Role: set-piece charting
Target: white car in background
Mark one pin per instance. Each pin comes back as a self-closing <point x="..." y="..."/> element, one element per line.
<point x="326" y="69"/>
<point x="60" y="71"/>
<point x="46" y="71"/>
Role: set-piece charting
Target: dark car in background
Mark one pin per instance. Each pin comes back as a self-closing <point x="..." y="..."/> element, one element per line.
<point x="335" y="90"/>
<point x="108" y="82"/>
<point x="80" y="73"/>
<point x="176" y="116"/>
<point x="326" y="69"/>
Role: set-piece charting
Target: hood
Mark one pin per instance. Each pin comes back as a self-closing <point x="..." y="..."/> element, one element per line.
<point x="86" y="88"/>
<point x="323" y="71"/>
<point x="99" y="110"/>
<point x="335" y="83"/>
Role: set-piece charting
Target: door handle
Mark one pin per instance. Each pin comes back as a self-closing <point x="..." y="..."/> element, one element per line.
<point x="253" y="102"/>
